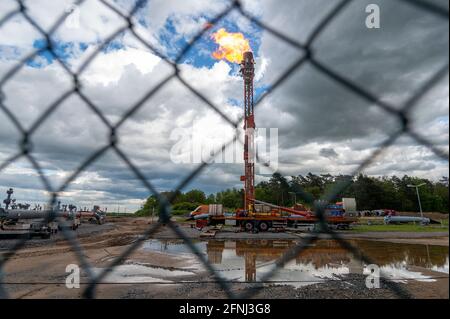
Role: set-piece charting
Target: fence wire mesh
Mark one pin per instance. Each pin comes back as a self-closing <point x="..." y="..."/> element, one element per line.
<point x="306" y="55"/>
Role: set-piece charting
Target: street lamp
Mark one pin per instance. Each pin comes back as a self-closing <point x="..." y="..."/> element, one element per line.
<point x="418" y="196"/>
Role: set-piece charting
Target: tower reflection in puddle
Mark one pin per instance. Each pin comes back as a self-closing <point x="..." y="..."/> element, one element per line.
<point x="324" y="259"/>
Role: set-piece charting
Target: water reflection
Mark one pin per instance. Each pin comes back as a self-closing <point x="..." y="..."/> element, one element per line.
<point x="249" y="260"/>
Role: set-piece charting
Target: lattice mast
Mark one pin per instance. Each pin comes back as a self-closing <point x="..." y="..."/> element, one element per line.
<point x="248" y="73"/>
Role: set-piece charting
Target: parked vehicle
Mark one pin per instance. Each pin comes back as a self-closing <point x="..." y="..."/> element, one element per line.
<point x="266" y="216"/>
<point x="390" y="212"/>
<point x="377" y="213"/>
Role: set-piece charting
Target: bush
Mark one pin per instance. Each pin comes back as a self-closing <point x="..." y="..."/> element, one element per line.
<point x="181" y="212"/>
<point x="185" y="206"/>
<point x="142" y="213"/>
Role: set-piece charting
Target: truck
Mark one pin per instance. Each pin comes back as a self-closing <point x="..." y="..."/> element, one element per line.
<point x="266" y="216"/>
<point x="95" y="216"/>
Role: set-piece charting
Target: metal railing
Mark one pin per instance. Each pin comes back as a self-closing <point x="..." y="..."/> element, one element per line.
<point x="306" y="55"/>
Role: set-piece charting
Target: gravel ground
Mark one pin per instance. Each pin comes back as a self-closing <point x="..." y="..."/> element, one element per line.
<point x="85" y="230"/>
<point x="347" y="287"/>
<point x="351" y="286"/>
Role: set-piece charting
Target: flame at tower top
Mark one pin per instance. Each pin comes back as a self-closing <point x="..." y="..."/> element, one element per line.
<point x="232" y="46"/>
<point x="248" y="66"/>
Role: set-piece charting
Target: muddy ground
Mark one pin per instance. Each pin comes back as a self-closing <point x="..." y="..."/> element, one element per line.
<point x="38" y="269"/>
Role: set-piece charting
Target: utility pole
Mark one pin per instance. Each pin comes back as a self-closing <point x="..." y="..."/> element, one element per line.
<point x="418" y="195"/>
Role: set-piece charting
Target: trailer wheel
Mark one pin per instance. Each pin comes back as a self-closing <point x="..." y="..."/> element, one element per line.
<point x="263" y="226"/>
<point x="248" y="226"/>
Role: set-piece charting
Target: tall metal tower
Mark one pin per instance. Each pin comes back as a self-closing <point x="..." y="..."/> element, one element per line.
<point x="248" y="73"/>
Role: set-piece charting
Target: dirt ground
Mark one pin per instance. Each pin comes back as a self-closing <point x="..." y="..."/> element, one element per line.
<point x="38" y="270"/>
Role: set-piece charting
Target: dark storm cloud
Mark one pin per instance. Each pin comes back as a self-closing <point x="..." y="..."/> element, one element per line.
<point x="391" y="62"/>
<point x="321" y="111"/>
<point x="402" y="168"/>
<point x="328" y="153"/>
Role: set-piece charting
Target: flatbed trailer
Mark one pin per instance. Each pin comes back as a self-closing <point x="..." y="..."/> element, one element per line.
<point x="15" y="234"/>
<point x="264" y="223"/>
<point x="34" y="223"/>
<point x="28" y="229"/>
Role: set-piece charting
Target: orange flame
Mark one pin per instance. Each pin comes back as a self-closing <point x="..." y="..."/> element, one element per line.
<point x="231" y="46"/>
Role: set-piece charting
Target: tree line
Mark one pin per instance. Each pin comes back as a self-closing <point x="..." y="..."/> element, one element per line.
<point x="370" y="193"/>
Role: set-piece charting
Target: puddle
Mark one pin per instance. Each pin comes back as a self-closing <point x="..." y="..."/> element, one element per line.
<point x="138" y="273"/>
<point x="173" y="247"/>
<point x="250" y="260"/>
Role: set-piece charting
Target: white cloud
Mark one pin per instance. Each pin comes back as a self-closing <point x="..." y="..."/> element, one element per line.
<point x="311" y="112"/>
<point x="110" y="67"/>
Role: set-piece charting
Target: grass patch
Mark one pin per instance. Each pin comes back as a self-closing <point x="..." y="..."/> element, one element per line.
<point x="400" y="228"/>
<point x="180" y="219"/>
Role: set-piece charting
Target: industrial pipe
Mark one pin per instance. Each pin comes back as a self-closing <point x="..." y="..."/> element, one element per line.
<point x="406" y="219"/>
<point x="285" y="209"/>
<point x="31" y="214"/>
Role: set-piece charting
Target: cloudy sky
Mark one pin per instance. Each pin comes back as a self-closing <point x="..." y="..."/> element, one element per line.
<point x="322" y="127"/>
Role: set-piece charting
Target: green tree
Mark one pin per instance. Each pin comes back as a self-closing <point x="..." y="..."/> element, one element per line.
<point x="370" y="193"/>
<point x="211" y="199"/>
<point x="195" y="196"/>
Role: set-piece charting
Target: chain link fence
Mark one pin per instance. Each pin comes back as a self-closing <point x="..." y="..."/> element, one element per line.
<point x="306" y="55"/>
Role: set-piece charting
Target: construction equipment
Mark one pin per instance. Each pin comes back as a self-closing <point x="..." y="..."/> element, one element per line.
<point x="15" y="220"/>
<point x="96" y="215"/>
<point x="26" y="223"/>
<point x="257" y="215"/>
<point x="248" y="73"/>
